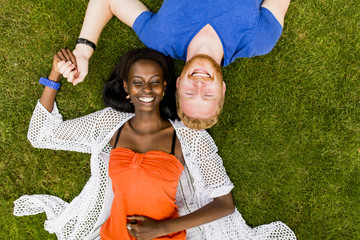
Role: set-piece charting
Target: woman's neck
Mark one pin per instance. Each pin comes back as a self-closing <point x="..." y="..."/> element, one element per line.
<point x="145" y="122"/>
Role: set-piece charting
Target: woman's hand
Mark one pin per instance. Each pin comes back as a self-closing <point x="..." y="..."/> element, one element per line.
<point x="145" y="228"/>
<point x="64" y="63"/>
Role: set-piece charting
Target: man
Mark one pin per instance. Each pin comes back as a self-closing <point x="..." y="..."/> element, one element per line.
<point x="206" y="34"/>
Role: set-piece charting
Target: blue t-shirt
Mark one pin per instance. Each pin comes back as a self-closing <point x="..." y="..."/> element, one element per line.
<point x="244" y="28"/>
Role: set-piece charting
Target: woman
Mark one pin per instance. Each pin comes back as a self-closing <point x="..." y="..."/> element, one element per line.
<point x="204" y="190"/>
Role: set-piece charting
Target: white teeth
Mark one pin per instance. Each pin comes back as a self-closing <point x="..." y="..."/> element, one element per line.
<point x="200" y="75"/>
<point x="146" y="99"/>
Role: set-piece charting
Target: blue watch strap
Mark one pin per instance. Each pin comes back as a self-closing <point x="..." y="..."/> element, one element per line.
<point x="49" y="83"/>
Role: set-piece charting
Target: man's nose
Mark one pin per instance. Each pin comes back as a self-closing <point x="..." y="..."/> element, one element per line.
<point x="198" y="84"/>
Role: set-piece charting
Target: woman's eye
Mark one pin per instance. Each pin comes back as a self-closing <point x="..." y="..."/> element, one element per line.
<point x="137" y="82"/>
<point x="155" y="82"/>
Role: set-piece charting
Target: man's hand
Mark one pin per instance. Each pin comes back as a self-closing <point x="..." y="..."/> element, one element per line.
<point x="145" y="228"/>
<point x="82" y="54"/>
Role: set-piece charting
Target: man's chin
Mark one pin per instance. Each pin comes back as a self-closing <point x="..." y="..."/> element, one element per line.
<point x="202" y="61"/>
<point x="199" y="113"/>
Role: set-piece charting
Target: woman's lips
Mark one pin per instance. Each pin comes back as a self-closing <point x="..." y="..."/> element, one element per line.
<point x="146" y="99"/>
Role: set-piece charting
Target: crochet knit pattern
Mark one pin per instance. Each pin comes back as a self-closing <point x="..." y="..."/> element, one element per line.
<point x="203" y="179"/>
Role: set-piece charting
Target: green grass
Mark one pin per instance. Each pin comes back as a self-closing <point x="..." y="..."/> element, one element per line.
<point x="289" y="134"/>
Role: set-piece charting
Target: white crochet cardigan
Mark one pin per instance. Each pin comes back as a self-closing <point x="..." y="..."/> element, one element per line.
<point x="203" y="179"/>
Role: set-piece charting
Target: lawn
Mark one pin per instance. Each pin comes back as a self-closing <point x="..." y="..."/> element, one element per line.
<point x="289" y="134"/>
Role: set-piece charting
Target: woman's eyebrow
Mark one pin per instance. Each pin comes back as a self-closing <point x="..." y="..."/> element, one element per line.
<point x="156" y="75"/>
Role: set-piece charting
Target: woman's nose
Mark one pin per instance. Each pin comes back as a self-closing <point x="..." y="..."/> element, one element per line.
<point x="147" y="88"/>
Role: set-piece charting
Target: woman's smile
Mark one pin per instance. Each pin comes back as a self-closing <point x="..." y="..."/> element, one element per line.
<point x="145" y="85"/>
<point x="146" y="99"/>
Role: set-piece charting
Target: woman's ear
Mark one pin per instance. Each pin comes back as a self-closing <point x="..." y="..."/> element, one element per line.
<point x="125" y="87"/>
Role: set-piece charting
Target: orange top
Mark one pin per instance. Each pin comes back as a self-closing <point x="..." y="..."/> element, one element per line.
<point x="144" y="184"/>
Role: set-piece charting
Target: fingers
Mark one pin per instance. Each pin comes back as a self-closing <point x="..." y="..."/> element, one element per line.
<point x="65" y="55"/>
<point x="65" y="63"/>
<point x="61" y="55"/>
<point x="133" y="234"/>
<point x="70" y="56"/>
<point x="57" y="57"/>
<point x="68" y="70"/>
<point x="72" y="75"/>
<point x="140" y="232"/>
<point x="65" y="68"/>
<point x="137" y="218"/>
<point x="72" y="66"/>
<point x="132" y="226"/>
<point x="79" y="77"/>
<point x="131" y="230"/>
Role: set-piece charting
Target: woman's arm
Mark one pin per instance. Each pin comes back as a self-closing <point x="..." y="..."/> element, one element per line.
<point x="47" y="128"/>
<point x="148" y="228"/>
<point x="64" y="62"/>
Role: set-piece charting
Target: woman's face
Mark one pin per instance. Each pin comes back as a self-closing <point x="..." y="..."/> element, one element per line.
<point x="145" y="85"/>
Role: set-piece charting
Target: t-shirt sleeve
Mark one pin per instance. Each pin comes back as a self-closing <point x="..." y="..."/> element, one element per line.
<point x="141" y="21"/>
<point x="267" y="33"/>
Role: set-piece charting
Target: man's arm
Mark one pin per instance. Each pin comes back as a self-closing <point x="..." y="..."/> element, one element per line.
<point x="98" y="14"/>
<point x="278" y="8"/>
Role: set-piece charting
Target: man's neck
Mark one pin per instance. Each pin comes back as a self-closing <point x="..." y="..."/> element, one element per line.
<point x="207" y="42"/>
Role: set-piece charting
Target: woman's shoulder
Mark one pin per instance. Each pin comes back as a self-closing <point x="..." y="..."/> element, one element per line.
<point x="110" y="116"/>
<point x="188" y="134"/>
<point x="180" y="126"/>
<point x="109" y="111"/>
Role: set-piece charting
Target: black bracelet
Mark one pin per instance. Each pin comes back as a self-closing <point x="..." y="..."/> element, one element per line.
<point x="86" y="42"/>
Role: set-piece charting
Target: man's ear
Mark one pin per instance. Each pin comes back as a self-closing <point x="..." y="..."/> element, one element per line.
<point x="224" y="88"/>
<point x="177" y="82"/>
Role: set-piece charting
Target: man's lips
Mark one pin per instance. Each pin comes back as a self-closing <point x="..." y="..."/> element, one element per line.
<point x="200" y="72"/>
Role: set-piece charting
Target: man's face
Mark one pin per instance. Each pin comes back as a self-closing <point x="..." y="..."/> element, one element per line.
<point x="200" y="87"/>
